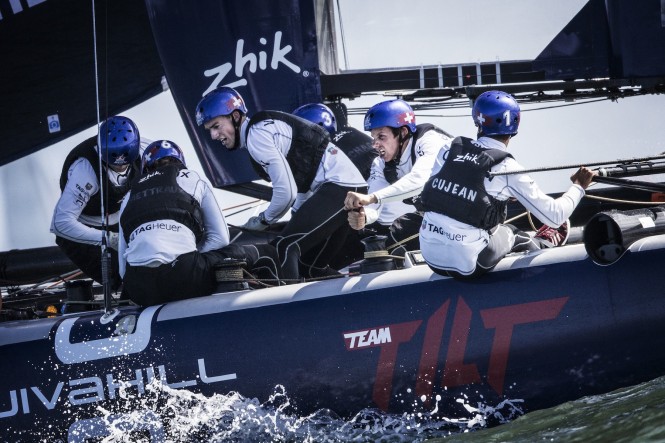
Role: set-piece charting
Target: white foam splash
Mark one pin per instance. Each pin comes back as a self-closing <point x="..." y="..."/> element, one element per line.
<point x="163" y="414"/>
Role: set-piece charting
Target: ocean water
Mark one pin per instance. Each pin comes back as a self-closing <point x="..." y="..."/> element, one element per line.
<point x="633" y="414"/>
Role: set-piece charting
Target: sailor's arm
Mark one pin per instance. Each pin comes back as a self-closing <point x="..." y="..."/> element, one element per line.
<point x="216" y="230"/>
<point x="262" y="147"/>
<point x="80" y="187"/>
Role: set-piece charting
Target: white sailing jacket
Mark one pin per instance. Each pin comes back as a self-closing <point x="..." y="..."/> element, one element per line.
<point x="161" y="241"/>
<point x="68" y="220"/>
<point x="411" y="178"/>
<point x="269" y="144"/>
<point x="454" y="246"/>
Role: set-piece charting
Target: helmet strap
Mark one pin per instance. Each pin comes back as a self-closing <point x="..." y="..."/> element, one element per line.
<point x="402" y="141"/>
<point x="236" y="127"/>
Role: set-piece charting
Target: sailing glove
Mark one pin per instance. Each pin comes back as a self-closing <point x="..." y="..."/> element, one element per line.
<point x="112" y="241"/>
<point x="256" y="223"/>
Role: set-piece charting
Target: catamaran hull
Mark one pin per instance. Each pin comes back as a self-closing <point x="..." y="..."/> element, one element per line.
<point x="544" y="329"/>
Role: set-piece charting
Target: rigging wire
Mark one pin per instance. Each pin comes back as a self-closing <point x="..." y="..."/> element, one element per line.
<point x="341" y="31"/>
<point x="97" y="110"/>
<point x="105" y="254"/>
<point x="464" y="103"/>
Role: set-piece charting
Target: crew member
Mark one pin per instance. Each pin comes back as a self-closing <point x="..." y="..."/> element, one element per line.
<point x="309" y="175"/>
<point x="173" y="234"/>
<point x="357" y="145"/>
<point x="78" y="218"/>
<point x="463" y="234"/>
<point x="406" y="156"/>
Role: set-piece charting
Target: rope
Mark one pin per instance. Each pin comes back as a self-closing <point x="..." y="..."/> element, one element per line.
<point x="510" y="220"/>
<point x="260" y="202"/>
<point x="59" y="279"/>
<point x="616" y="200"/>
<point x="394" y="245"/>
<point x="65" y="278"/>
<point x="592" y="197"/>
<point x="259" y="281"/>
<point x="228" y="274"/>
<point x="242" y="204"/>
<point x="384" y="252"/>
<point x="375" y="254"/>
<point x="533" y="226"/>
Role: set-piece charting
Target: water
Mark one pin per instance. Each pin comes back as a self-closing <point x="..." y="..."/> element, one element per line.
<point x="634" y="414"/>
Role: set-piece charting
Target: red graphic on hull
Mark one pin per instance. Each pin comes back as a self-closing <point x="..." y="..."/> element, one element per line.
<point x="503" y="320"/>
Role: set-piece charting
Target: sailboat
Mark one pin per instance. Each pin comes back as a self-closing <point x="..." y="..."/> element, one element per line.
<point x="541" y="328"/>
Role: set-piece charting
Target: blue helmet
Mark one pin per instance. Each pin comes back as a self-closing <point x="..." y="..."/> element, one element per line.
<point x="220" y="101"/>
<point x="320" y="114"/>
<point x="392" y="113"/>
<point x="161" y="149"/>
<point x="119" y="141"/>
<point x="496" y="113"/>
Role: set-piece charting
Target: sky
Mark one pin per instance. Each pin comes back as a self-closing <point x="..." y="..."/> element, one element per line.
<point x="391" y="33"/>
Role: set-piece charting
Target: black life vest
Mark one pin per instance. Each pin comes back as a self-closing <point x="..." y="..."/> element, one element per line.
<point x="113" y="199"/>
<point x="358" y="147"/>
<point x="308" y="143"/>
<point x="458" y="189"/>
<point x="157" y="196"/>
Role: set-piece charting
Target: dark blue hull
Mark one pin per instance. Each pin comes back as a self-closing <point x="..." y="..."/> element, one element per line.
<point x="544" y="329"/>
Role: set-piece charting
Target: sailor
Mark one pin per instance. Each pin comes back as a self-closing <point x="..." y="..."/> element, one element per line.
<point x="357" y="145"/>
<point x="406" y="156"/>
<point x="462" y="233"/>
<point x="173" y="234"/>
<point x="309" y="175"/>
<point x="78" y="217"/>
